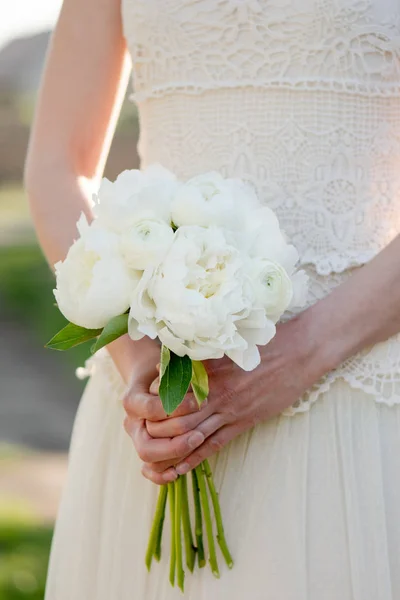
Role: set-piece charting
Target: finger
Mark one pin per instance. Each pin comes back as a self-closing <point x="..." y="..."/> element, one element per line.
<point x="140" y="405"/>
<point x="187" y="407"/>
<point x="212" y="445"/>
<point x="156" y="450"/>
<point x="159" y="478"/>
<point x="214" y="422"/>
<point x="177" y="425"/>
<point x="155" y="386"/>
<point x="160" y="467"/>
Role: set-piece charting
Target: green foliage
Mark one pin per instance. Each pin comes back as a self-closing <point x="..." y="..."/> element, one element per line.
<point x="24" y="552"/>
<point x="26" y="284"/>
<point x="70" y="336"/>
<point x="175" y="382"/>
<point x="199" y="381"/>
<point x="112" y="331"/>
<point x="164" y="360"/>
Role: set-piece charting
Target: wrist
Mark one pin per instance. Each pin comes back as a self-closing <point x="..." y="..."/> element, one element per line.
<point x="128" y="355"/>
<point x="325" y="346"/>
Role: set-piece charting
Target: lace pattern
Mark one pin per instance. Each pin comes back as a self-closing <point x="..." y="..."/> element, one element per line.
<point x="301" y="99"/>
<point x="191" y="45"/>
<point x="328" y="165"/>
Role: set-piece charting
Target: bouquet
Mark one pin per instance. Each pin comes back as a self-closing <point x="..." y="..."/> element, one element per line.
<point x="203" y="267"/>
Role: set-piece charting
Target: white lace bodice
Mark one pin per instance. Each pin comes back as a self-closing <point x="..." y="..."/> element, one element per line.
<point x="302" y="99"/>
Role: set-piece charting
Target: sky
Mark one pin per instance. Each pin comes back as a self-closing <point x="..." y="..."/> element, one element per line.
<point x="21" y="17"/>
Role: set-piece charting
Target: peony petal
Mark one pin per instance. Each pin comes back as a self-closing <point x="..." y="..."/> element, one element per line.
<point x="133" y="329"/>
<point x="247" y="360"/>
<point x="261" y="337"/>
<point x="172" y="342"/>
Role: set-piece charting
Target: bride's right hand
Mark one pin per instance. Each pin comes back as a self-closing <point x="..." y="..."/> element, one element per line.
<point x="141" y="406"/>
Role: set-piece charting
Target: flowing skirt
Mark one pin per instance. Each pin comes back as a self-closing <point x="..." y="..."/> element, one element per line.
<point x="311" y="505"/>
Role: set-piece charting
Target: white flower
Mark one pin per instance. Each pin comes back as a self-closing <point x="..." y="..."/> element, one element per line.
<point x="273" y="287"/>
<point x="135" y="195"/>
<point x="300" y="283"/>
<point x="145" y="243"/>
<point x="93" y="282"/>
<point x="264" y="241"/>
<point x="199" y="301"/>
<point x="210" y="199"/>
<point x="263" y="238"/>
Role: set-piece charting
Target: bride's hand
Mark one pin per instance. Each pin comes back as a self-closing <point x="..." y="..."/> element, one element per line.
<point x="141" y="406"/>
<point x="290" y="364"/>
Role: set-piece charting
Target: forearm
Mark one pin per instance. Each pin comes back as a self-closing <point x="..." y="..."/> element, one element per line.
<point x="84" y="84"/>
<point x="363" y="311"/>
<point x="56" y="202"/>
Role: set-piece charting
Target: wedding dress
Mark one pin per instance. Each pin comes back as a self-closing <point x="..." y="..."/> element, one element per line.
<point x="302" y="99"/>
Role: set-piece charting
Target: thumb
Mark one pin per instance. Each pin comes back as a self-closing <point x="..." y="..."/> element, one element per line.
<point x="155" y="386"/>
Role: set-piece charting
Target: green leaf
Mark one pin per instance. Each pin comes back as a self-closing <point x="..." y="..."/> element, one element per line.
<point x="71" y="336"/>
<point x="199" y="381"/>
<point x="175" y="382"/>
<point x="164" y="360"/>
<point x="116" y="327"/>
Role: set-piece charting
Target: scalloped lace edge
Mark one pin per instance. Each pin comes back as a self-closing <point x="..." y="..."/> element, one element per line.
<point x="116" y="387"/>
<point x="312" y="396"/>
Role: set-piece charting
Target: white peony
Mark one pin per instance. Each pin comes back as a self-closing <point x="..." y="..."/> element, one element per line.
<point x="93" y="282"/>
<point x="210" y="199"/>
<point x="135" y="195"/>
<point x="145" y="243"/>
<point x="273" y="287"/>
<point x="199" y="300"/>
<point x="263" y="238"/>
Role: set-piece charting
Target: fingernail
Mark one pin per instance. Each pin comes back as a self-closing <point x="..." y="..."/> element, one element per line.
<point x="170" y="476"/>
<point x="182" y="469"/>
<point x="195" y="439"/>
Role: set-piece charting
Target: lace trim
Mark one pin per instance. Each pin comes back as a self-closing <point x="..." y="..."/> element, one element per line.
<point x="337" y="263"/>
<point x="196" y="88"/>
<point x="383" y="386"/>
<point x="314" y="394"/>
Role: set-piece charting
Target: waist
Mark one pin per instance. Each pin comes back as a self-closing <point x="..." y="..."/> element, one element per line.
<point x="327" y="163"/>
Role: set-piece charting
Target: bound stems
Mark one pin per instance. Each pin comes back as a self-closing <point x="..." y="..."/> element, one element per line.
<point x="154" y="544"/>
<point x="187" y="528"/>
<point x="218" y="516"/>
<point x="178" y="538"/>
<point x="179" y="509"/>
<point x="171" y="498"/>
<point x="198" y="525"/>
<point x="207" y="519"/>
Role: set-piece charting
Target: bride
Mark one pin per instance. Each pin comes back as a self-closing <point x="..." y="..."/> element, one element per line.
<point x="302" y="99"/>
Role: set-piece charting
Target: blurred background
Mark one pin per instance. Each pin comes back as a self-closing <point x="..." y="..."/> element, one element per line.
<point x="39" y="392"/>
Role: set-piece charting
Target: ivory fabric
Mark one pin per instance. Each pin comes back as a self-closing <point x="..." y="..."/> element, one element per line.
<point x="311" y="505"/>
<point x="301" y="98"/>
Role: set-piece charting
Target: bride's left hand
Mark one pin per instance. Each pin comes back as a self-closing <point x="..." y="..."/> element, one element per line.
<point x="238" y="400"/>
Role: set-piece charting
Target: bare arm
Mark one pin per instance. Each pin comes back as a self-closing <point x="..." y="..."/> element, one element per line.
<point x="363" y="311"/>
<point x="83" y="87"/>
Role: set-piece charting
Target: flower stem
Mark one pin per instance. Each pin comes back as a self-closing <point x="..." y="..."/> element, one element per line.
<point x="157" y="549"/>
<point x="171" y="499"/>
<point x="157" y="526"/>
<point x="187" y="527"/>
<point x="198" y="525"/>
<point x="218" y="516"/>
<point x="178" y="537"/>
<point x="207" y="519"/>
